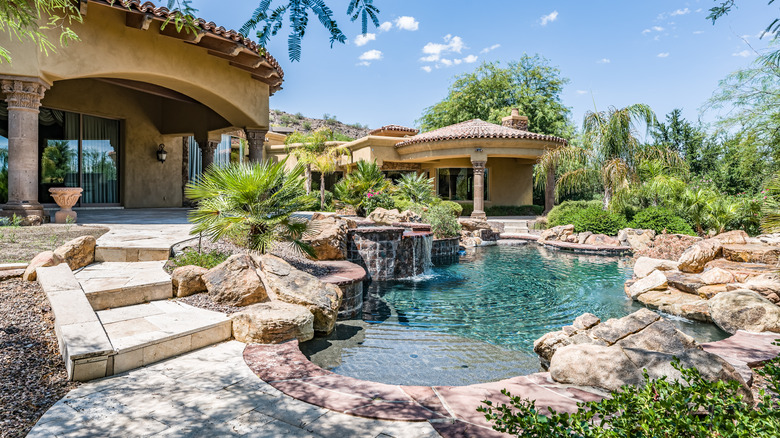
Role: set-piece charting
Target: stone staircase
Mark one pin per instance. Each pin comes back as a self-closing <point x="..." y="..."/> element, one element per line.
<point x="115" y="315"/>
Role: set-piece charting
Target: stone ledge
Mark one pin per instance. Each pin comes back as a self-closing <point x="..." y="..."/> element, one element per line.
<point x="587" y="249"/>
<point x="342" y="272"/>
<point x="520" y="236"/>
<point x="84" y="345"/>
<point x="12" y="266"/>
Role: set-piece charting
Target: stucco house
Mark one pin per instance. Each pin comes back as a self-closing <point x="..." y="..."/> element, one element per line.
<point x="473" y="161"/>
<point x="95" y="113"/>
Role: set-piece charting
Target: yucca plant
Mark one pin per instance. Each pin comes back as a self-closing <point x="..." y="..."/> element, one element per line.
<point x="416" y="187"/>
<point x="366" y="177"/>
<point x="251" y="201"/>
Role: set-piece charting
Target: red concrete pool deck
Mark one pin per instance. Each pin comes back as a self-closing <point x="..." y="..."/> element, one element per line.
<point x="451" y="410"/>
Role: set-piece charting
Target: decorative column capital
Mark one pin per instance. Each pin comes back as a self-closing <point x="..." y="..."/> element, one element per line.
<point x="25" y="95"/>
<point x="256" y="139"/>
<point x="478" y="166"/>
<point x="255" y="135"/>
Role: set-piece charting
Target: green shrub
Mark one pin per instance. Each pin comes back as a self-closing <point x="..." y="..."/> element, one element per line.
<point x="467" y="208"/>
<point x="514" y="210"/>
<point x="443" y="223"/>
<point x="692" y="407"/>
<point x="660" y="219"/>
<point x="376" y="200"/>
<point x="564" y="213"/>
<point x="455" y="208"/>
<point x="598" y="221"/>
<point x="206" y="260"/>
<point x="416" y="188"/>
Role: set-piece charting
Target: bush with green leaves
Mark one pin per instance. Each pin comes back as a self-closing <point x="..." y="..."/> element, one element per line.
<point x="354" y="187"/>
<point x="598" y="221"/>
<point x="564" y="213"/>
<point x="692" y="407"/>
<point x="467" y="208"/>
<point x="376" y="200"/>
<point x="514" y="210"/>
<point x="251" y="203"/>
<point x="659" y="219"/>
<point x="443" y="223"/>
<point x="455" y="208"/>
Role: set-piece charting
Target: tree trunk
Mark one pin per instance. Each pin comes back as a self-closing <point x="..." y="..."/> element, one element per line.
<point x="308" y="178"/>
<point x="607" y="198"/>
<point x="322" y="191"/>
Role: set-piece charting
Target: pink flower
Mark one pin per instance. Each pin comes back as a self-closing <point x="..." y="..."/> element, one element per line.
<point x="369" y="194"/>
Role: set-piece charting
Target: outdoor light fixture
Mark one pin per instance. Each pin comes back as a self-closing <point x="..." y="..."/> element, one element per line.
<point x="161" y="154"/>
<point x="478" y="150"/>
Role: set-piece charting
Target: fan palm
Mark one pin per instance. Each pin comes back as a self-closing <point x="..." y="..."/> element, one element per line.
<point x="251" y="200"/>
<point x="366" y="177"/>
<point x="611" y="157"/>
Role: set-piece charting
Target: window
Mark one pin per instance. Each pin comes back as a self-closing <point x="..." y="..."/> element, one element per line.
<point x="77" y="150"/>
<point x="457" y="183"/>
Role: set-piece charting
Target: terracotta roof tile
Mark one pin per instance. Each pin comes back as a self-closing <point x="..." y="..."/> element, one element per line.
<point x="476" y="129"/>
<point x="397" y="128"/>
<point x="164" y="13"/>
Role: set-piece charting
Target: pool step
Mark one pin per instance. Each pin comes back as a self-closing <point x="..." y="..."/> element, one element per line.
<point x="513" y="226"/>
<point x="118" y="284"/>
<point x="146" y="333"/>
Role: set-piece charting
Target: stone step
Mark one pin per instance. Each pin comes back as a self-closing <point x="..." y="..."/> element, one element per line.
<point x="515" y="230"/>
<point x="118" y="284"/>
<point x="129" y="254"/>
<point x="515" y="223"/>
<point x="146" y="333"/>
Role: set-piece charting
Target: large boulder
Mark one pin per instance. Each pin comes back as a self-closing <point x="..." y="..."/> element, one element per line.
<point x="468" y="224"/>
<point x="293" y="286"/>
<point x="717" y="276"/>
<point x="699" y="254"/>
<point x="188" y="280"/>
<point x="381" y="216"/>
<point x="602" y="240"/>
<point x="78" y="252"/>
<point x="637" y="239"/>
<point x="612" y="367"/>
<point x="42" y="260"/>
<point x="738" y="237"/>
<point x="644" y="266"/>
<point x="744" y="310"/>
<point x="675" y="302"/>
<point x="273" y="323"/>
<point x="328" y="237"/>
<point x="235" y="282"/>
<point x="410" y="217"/>
<point x="752" y="253"/>
<point x="561" y="232"/>
<point x="654" y="281"/>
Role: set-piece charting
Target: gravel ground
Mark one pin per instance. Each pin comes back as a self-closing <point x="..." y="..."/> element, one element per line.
<point x="21" y="244"/>
<point x="32" y="374"/>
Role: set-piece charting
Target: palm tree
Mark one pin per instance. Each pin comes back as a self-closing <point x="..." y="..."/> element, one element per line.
<point x="612" y="156"/>
<point x="306" y="148"/>
<point x="252" y="201"/>
<point x="327" y="162"/>
<point x="366" y="177"/>
<point x="416" y="188"/>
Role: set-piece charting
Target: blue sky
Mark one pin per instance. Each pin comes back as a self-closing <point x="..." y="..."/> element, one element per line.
<point x="662" y="53"/>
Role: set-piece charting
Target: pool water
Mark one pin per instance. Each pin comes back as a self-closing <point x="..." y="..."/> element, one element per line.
<point x="476" y="320"/>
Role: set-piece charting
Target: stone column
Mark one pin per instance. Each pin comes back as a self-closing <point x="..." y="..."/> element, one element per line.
<point x="24" y="99"/>
<point x="256" y="140"/>
<point x="479" y="190"/>
<point x="549" y="191"/>
<point x="207" y="149"/>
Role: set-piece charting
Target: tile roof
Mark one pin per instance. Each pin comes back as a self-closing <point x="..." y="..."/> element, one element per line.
<point x="397" y="128"/>
<point x="476" y="128"/>
<point x="164" y="13"/>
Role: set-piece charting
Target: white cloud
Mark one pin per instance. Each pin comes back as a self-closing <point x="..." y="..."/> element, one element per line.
<point x="426" y="68"/>
<point x="680" y="12"/>
<point x="446" y="62"/>
<point x="582" y="92"/>
<point x="658" y="28"/>
<point x="371" y="55"/>
<point x="490" y="49"/>
<point x="604" y="61"/>
<point x="452" y="44"/>
<point x="663" y="55"/>
<point x="407" y="23"/>
<point x="744" y="54"/>
<point x="386" y="26"/>
<point x="646" y="31"/>
<point x="549" y="18"/>
<point x="470" y="59"/>
<point x="698" y="32"/>
<point x="363" y="39"/>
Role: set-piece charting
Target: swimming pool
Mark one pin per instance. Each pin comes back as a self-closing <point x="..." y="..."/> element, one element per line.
<point x="476" y="320"/>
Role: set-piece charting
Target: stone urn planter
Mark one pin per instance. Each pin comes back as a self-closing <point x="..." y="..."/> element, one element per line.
<point x="66" y="198"/>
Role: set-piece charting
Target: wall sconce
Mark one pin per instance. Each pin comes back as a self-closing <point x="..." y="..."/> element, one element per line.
<point x="161" y="154"/>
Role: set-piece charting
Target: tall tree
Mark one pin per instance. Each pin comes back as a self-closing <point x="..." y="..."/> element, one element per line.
<point x="32" y="20"/>
<point x="489" y="92"/>
<point x="611" y="155"/>
<point x="306" y="148"/>
<point x="682" y="137"/>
